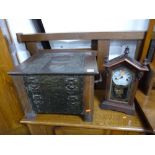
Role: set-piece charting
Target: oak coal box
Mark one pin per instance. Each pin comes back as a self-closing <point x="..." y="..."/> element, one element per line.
<point x="57" y="83"/>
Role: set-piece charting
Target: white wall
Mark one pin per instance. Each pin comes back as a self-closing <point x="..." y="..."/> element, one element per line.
<point x="20" y="26"/>
<point x="56" y="25"/>
<point x="116" y="47"/>
<point x="68" y="24"/>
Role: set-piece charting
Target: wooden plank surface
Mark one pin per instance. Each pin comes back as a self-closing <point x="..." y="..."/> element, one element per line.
<point x="88" y="131"/>
<point x="103" y="51"/>
<point x="138" y="49"/>
<point x="103" y="119"/>
<point x="31" y="47"/>
<point x="147" y="104"/>
<point x="41" y="129"/>
<point x="138" y="35"/>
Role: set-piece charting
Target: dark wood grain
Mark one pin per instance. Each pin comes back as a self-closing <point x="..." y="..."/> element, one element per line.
<point x="103" y="51"/>
<point x="43" y="58"/>
<point x="148" y="77"/>
<point x="82" y="36"/>
<point x="138" y="49"/>
<point x="27" y="108"/>
<point x="88" y="98"/>
<point x="31" y="47"/>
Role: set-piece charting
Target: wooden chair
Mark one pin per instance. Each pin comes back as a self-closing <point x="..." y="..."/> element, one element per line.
<point x="148" y="80"/>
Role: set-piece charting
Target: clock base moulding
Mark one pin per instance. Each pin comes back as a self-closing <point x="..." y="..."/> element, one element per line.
<point x="128" y="109"/>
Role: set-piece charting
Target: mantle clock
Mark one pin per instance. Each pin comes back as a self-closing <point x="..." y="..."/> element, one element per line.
<point x="122" y="76"/>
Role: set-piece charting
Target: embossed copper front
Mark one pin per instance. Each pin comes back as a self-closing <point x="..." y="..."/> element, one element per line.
<point x="55" y="94"/>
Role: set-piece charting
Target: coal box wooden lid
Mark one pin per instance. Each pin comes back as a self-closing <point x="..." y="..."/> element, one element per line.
<point x="54" y="62"/>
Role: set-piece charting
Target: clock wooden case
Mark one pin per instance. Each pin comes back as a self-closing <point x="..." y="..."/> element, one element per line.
<point x="122" y="76"/>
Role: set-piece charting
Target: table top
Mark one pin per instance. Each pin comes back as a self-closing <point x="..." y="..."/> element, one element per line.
<point x="102" y="119"/>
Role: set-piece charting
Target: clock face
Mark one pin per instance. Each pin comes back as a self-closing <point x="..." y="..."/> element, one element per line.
<point x="121" y="84"/>
<point x="122" y="77"/>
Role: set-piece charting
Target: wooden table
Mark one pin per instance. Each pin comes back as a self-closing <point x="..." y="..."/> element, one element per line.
<point x="105" y="122"/>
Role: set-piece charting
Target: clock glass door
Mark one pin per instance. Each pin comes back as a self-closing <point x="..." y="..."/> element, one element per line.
<point x="121" y="84"/>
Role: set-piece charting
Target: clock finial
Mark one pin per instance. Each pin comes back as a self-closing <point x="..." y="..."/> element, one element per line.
<point x="126" y="51"/>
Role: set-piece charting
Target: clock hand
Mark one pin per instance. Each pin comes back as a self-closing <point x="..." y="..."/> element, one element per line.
<point x="117" y="78"/>
<point x="120" y="77"/>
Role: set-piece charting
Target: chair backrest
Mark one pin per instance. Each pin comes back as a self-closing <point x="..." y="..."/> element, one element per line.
<point x="100" y="41"/>
<point x="148" y="38"/>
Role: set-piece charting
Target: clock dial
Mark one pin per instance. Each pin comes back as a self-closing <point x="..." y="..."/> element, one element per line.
<point x="122" y="77"/>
